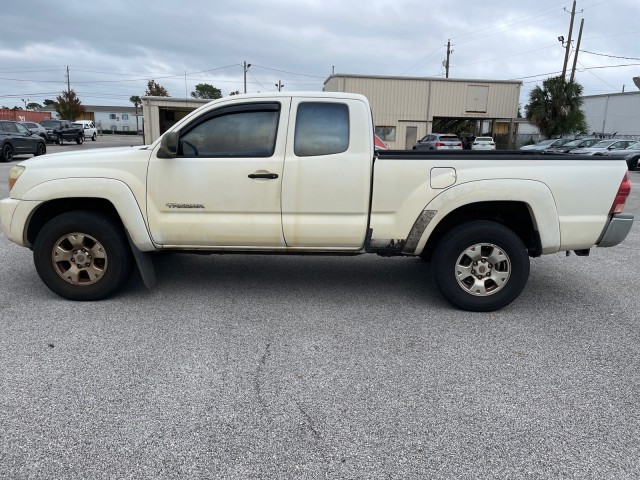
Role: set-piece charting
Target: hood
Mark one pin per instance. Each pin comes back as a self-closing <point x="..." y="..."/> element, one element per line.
<point x="88" y="157"/>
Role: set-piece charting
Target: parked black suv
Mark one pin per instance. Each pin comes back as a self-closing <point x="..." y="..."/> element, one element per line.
<point x="16" y="139"/>
<point x="60" y="130"/>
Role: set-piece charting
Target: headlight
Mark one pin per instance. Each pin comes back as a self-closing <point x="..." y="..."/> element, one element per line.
<point x="14" y="173"/>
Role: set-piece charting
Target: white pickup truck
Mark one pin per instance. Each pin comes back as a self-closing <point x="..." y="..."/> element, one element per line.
<point x="297" y="173"/>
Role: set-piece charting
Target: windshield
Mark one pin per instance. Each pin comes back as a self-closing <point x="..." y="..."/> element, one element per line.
<point x="49" y="123"/>
<point x="602" y="144"/>
<point x="484" y="139"/>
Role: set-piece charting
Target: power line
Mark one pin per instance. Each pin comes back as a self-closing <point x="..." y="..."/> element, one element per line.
<point x="610" y="56"/>
<point x="290" y="73"/>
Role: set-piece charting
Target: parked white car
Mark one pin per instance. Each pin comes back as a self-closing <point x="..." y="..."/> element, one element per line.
<point x="483" y="143"/>
<point x="89" y="129"/>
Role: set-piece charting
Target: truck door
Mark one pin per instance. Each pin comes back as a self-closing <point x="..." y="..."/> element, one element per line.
<point x="327" y="173"/>
<point x="223" y="188"/>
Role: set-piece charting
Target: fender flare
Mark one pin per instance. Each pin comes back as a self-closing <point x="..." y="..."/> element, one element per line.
<point x="114" y="191"/>
<point x="535" y="194"/>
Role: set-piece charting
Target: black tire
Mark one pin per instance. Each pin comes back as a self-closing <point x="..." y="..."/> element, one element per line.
<point x="101" y="256"/>
<point x="633" y="163"/>
<point x="7" y="153"/>
<point x="41" y="149"/>
<point x="59" y="140"/>
<point x="497" y="277"/>
<point x="93" y="137"/>
<point x="79" y="139"/>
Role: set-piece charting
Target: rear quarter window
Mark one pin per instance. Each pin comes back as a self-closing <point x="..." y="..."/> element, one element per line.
<point x="321" y="129"/>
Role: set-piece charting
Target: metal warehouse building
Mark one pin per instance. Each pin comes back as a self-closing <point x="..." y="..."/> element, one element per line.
<point x="613" y="113"/>
<point x="407" y="108"/>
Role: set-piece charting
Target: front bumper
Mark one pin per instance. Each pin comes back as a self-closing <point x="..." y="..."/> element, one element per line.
<point x="616" y="230"/>
<point x="14" y="215"/>
<point x="7" y="208"/>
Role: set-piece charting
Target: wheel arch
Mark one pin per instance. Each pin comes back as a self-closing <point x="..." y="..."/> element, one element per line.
<point x="514" y="215"/>
<point x="526" y="207"/>
<point x="107" y="196"/>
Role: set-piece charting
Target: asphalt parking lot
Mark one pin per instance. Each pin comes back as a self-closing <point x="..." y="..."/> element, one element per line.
<point x="322" y="367"/>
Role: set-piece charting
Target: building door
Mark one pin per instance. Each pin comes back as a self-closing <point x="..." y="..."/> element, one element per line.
<point x="411" y="137"/>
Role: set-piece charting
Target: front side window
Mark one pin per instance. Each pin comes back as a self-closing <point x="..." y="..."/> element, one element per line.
<point x="321" y="129"/>
<point x="237" y="132"/>
<point x="22" y="129"/>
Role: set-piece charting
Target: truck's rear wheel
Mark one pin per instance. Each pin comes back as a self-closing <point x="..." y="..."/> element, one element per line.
<point x="82" y="255"/>
<point x="481" y="266"/>
<point x="80" y="139"/>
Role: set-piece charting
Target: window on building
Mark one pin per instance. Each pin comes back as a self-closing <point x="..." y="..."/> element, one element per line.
<point x="239" y="131"/>
<point x="112" y="116"/>
<point x="321" y="129"/>
<point x="125" y="128"/>
<point x="125" y="116"/>
<point x="386" y="134"/>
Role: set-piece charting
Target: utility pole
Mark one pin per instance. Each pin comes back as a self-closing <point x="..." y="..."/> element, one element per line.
<point x="68" y="81"/>
<point x="575" y="55"/>
<point x="449" y="52"/>
<point x="246" y="67"/>
<point x="279" y="85"/>
<point x="568" y="47"/>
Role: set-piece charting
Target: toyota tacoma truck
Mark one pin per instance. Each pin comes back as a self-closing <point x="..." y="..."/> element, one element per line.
<point x="297" y="173"/>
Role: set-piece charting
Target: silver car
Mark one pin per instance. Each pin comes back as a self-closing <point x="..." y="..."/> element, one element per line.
<point x="603" y="146"/>
<point x="631" y="155"/>
<point x="36" y="128"/>
<point x="439" y="141"/>
<point x="544" y="144"/>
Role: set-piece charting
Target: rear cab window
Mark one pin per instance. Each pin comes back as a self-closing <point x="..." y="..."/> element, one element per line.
<point x="322" y="128"/>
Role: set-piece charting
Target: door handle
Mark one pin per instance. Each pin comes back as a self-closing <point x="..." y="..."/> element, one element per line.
<point x="270" y="176"/>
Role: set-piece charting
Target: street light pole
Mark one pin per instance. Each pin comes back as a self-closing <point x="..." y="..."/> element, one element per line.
<point x="246" y="67"/>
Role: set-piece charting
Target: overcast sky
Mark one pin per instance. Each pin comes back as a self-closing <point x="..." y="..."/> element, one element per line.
<point x="112" y="47"/>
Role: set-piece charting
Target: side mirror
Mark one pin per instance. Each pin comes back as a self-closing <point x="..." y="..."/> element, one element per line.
<point x="168" y="145"/>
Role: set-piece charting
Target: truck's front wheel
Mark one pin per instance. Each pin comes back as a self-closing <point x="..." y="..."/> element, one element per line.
<point x="481" y="266"/>
<point x="82" y="255"/>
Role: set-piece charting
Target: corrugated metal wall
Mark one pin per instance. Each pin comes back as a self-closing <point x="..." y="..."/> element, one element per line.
<point x="403" y="102"/>
<point x="617" y="113"/>
<point x="23" y="115"/>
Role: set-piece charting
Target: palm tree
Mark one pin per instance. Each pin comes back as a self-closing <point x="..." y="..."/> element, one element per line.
<point x="136" y="100"/>
<point x="555" y="108"/>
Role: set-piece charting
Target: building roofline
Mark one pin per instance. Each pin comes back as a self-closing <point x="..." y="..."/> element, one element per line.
<point x="439" y="79"/>
<point x="615" y="94"/>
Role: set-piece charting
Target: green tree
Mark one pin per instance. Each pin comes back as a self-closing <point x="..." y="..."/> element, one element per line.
<point x="236" y="92"/>
<point x="555" y="107"/>
<point x="68" y="105"/>
<point x="155" y="90"/>
<point x="33" y="106"/>
<point x="48" y="102"/>
<point x="204" y="90"/>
